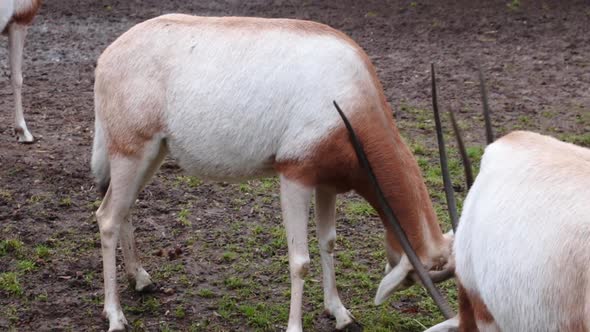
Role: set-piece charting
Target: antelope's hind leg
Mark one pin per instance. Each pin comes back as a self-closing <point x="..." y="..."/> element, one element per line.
<point x="136" y="274"/>
<point x="128" y="175"/>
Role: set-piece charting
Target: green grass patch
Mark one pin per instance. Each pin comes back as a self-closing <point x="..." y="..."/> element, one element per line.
<point x="179" y="311"/>
<point x="190" y="181"/>
<point x="65" y="201"/>
<point x="147" y="305"/>
<point x="11" y="246"/>
<point x="578" y="139"/>
<point x="234" y="283"/>
<point x="25" y="266"/>
<point x="205" y="293"/>
<point x="359" y="209"/>
<point x="10" y="284"/>
<point x="183" y="217"/>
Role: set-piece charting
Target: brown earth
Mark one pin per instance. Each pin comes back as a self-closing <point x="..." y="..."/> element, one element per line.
<point x="535" y="55"/>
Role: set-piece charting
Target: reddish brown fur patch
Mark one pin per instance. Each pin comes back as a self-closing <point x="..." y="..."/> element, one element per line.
<point x="397" y="170"/>
<point x="471" y="310"/>
<point x="466" y="316"/>
<point x="26" y="17"/>
<point x="127" y="137"/>
<point x="334" y="164"/>
<point x="127" y="127"/>
<point x="575" y="326"/>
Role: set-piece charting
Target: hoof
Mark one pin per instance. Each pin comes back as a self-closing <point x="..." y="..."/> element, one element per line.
<point x="151" y="288"/>
<point x="117" y="321"/>
<point x="142" y="282"/>
<point x="23" y="136"/>
<point x="354" y="326"/>
<point x="345" y="321"/>
<point x="119" y="327"/>
<point x="26" y="141"/>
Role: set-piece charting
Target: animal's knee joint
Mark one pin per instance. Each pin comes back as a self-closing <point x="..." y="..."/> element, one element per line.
<point x="301" y="267"/>
<point x="328" y="246"/>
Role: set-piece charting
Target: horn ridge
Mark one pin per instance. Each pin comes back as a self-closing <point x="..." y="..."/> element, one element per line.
<point x="486" y="107"/>
<point x="449" y="192"/>
<point x="468" y="170"/>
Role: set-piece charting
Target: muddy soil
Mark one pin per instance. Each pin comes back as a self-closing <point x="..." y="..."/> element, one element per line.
<point x="535" y="56"/>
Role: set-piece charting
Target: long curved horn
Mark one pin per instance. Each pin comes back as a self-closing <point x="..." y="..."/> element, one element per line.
<point x="437" y="276"/>
<point x="443" y="275"/>
<point x="464" y="156"/>
<point x="398" y="230"/>
<point x="449" y="192"/>
<point x="486" y="107"/>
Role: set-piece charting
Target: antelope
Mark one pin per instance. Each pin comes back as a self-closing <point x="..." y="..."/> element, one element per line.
<point x="15" y="17"/>
<point x="521" y="248"/>
<point x="235" y="98"/>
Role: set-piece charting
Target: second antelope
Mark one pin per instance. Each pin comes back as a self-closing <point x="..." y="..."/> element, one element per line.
<point x="521" y="248"/>
<point x="236" y="98"/>
<point x="15" y="16"/>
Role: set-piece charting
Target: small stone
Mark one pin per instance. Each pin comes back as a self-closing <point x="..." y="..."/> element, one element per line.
<point x="178" y="250"/>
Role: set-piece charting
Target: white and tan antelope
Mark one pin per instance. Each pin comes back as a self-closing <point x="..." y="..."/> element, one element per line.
<point x="15" y="17"/>
<point x="521" y="249"/>
<point x="235" y="98"/>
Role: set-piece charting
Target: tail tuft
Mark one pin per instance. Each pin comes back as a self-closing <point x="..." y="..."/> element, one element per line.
<point x="100" y="159"/>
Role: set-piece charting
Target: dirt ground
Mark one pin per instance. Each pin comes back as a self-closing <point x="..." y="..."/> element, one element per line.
<point x="230" y="269"/>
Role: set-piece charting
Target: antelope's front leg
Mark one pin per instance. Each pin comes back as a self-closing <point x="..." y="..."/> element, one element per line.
<point x="295" y="201"/>
<point x="16" y="43"/>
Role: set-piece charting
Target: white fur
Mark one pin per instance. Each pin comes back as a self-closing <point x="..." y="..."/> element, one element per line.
<point x="393" y="279"/>
<point x="6" y="12"/>
<point x="523" y="238"/>
<point x="276" y="91"/>
<point x="449" y="325"/>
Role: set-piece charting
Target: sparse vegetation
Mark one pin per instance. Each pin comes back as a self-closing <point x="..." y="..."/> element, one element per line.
<point x="65" y="201"/>
<point x="9" y="283"/>
<point x="232" y="270"/>
<point x="234" y="283"/>
<point x="42" y="251"/>
<point x="359" y="209"/>
<point x="11" y="246"/>
<point x="190" y="181"/>
<point x="183" y="217"/>
<point x="179" y="312"/>
<point x="514" y="5"/>
<point x="205" y="293"/>
<point x="147" y="305"/>
<point x="579" y="139"/>
<point x="25" y="266"/>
